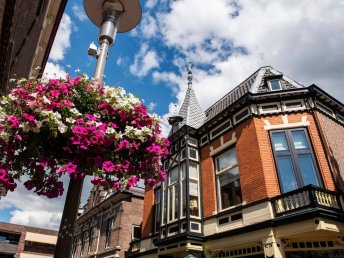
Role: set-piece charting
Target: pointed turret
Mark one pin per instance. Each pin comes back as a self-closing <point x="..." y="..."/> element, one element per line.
<point x="190" y="113"/>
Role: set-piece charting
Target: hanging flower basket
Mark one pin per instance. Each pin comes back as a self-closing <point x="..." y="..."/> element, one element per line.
<point x="77" y="127"/>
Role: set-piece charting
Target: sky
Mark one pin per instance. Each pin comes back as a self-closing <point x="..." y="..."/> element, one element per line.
<point x="226" y="40"/>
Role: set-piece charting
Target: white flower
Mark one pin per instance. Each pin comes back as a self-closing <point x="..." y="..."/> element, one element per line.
<point x="25" y="127"/>
<point x="46" y="100"/>
<point x="74" y="111"/>
<point x="70" y="120"/>
<point x="57" y="115"/>
<point x="34" y="94"/>
<point x="119" y="136"/>
<point x="12" y="97"/>
<point x="5" y="136"/>
<point x="38" y="124"/>
<point x="62" y="128"/>
<point x="110" y="130"/>
<point x="2" y="117"/>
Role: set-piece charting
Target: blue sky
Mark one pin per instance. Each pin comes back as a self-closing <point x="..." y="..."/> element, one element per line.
<point x="226" y="40"/>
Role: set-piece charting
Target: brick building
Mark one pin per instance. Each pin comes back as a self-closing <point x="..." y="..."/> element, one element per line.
<point x="110" y="224"/>
<point x="258" y="174"/>
<point x="18" y="241"/>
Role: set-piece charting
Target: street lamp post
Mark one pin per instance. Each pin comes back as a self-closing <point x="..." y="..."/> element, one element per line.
<point x="111" y="16"/>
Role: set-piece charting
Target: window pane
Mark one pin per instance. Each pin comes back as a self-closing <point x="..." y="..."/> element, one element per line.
<point x="307" y="170"/>
<point x="194" y="206"/>
<point x="229" y="176"/>
<point x="193" y="153"/>
<point x="230" y="194"/>
<point x="176" y="199"/>
<point x="279" y="141"/>
<point x="193" y="171"/>
<point x="275" y="85"/>
<point x="173" y="175"/>
<point x="193" y="188"/>
<point x="226" y="160"/>
<point x="183" y="168"/>
<point x="158" y="196"/>
<point x="184" y="197"/>
<point x="300" y="140"/>
<point x="170" y="203"/>
<point x="287" y="173"/>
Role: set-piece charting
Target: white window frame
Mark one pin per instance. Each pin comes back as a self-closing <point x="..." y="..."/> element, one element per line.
<point x="199" y="227"/>
<point x="285" y="108"/>
<point x="189" y="149"/>
<point x="190" y="142"/>
<point x="195" y="180"/>
<point x="157" y="204"/>
<point x="240" y="112"/>
<point x="219" y="133"/>
<point x="171" y="206"/>
<point x="219" y="173"/>
<point x="205" y="142"/>
<point x="262" y="111"/>
<point x="273" y="80"/>
<point x="324" y="108"/>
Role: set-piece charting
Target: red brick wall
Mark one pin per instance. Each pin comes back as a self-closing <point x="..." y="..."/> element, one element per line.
<point x="335" y="141"/>
<point x="258" y="175"/>
<point x="148" y="213"/>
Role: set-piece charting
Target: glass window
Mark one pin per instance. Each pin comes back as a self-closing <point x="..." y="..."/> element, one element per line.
<point x="193" y="202"/>
<point x="294" y="158"/>
<point x="193" y="153"/>
<point x="108" y="232"/>
<point x="173" y="176"/>
<point x="228" y="181"/>
<point x="193" y="171"/>
<point x="157" y="210"/>
<point x="275" y="85"/>
<point x="90" y="240"/>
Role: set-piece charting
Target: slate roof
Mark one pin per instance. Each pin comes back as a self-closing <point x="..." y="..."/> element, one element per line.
<point x="256" y="83"/>
<point x="195" y="117"/>
<point x="191" y="111"/>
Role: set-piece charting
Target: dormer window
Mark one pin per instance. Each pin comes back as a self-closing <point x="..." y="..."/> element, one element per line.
<point x="274" y="85"/>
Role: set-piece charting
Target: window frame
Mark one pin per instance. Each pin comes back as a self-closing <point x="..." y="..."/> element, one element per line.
<point x="109" y="224"/>
<point x="293" y="154"/>
<point x="133" y="238"/>
<point x="218" y="173"/>
<point x="273" y="80"/>
<point x="174" y="188"/>
<point x="157" y="209"/>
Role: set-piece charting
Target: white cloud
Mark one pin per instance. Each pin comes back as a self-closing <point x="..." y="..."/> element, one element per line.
<point x="54" y="71"/>
<point x="79" y="12"/>
<point x="41" y="219"/>
<point x="38" y="211"/>
<point x="62" y="39"/>
<point x="228" y="40"/>
<point x="151" y="3"/>
<point x="145" y="60"/>
<point x="148" y="27"/>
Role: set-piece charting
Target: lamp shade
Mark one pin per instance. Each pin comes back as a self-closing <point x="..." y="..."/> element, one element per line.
<point x="128" y="20"/>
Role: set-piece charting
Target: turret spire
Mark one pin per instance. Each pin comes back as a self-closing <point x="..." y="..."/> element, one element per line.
<point x="188" y="69"/>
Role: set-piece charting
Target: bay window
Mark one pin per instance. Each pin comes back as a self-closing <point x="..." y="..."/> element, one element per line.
<point x="228" y="181"/>
<point x="294" y="159"/>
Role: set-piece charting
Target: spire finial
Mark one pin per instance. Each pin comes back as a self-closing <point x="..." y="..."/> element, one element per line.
<point x="188" y="69"/>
